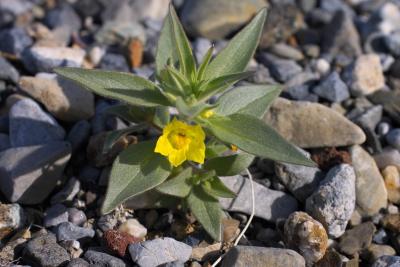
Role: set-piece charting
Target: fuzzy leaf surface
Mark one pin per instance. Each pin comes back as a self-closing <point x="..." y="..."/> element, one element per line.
<point x="178" y="186"/>
<point x="123" y="86"/>
<point x="229" y="165"/>
<point x="207" y="211"/>
<point x="136" y="170"/>
<point x="250" y="99"/>
<point x="239" y="51"/>
<point x="255" y="137"/>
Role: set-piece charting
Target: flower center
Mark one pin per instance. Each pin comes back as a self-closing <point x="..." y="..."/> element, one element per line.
<point x="178" y="139"/>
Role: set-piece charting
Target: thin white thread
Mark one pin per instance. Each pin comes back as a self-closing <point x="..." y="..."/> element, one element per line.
<point x="253" y="205"/>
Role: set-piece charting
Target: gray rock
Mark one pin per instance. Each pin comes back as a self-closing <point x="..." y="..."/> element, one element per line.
<point x="78" y="136"/>
<point x="357" y="238"/>
<point x="389" y="156"/>
<point x="78" y="262"/>
<point x="76" y="216"/>
<point x="30" y="125"/>
<point x="12" y="217"/>
<point x="241" y="256"/>
<point x="7" y="71"/>
<point x="45" y="59"/>
<point x="286" y="51"/>
<point x="393" y="138"/>
<point x="63" y="16"/>
<point x="62" y="98"/>
<point x="275" y="204"/>
<point x="301" y="181"/>
<point x="281" y="69"/>
<point x="309" y="125"/>
<point x="341" y="37"/>
<point x="101" y="259"/>
<point x="55" y="215"/>
<point x="14" y="41"/>
<point x="71" y="188"/>
<point x="365" y="75"/>
<point x="29" y="174"/>
<point x="299" y="92"/>
<point x="216" y="19"/>
<point x="334" y="201"/>
<point x="69" y="231"/>
<point x="44" y="251"/>
<point x="371" y="194"/>
<point x="166" y="250"/>
<point x="392" y="42"/>
<point x="370" y="117"/>
<point x="332" y="88"/>
<point x="4" y="142"/>
<point x="120" y="31"/>
<point x="381" y="237"/>
<point x="387" y="261"/>
<point x="112" y="61"/>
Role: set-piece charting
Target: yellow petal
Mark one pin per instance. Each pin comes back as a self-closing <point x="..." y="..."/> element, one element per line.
<point x="163" y="146"/>
<point x="177" y="157"/>
<point x="196" y="152"/>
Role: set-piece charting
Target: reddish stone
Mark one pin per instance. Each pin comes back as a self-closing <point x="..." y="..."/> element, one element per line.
<point x="118" y="241"/>
<point x="329" y="157"/>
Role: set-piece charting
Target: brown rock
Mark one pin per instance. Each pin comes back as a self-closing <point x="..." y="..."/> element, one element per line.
<point x="118" y="241"/>
<point x="12" y="217"/>
<point x="392" y="182"/>
<point x="65" y="100"/>
<point x="357" y="238"/>
<point x="205" y="251"/>
<point x="392" y="222"/>
<point x="312" y="125"/>
<point x="375" y="251"/>
<point x="135" y="52"/>
<point x="283" y="20"/>
<point x="333" y="259"/>
<point x="371" y="193"/>
<point x="307" y="236"/>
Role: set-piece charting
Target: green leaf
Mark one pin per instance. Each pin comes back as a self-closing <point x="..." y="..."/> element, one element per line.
<point x="161" y="116"/>
<point x="190" y="111"/>
<point x="229" y="165"/>
<point x="130" y="113"/>
<point x="219" y="84"/>
<point x="216" y="188"/>
<point x="214" y="149"/>
<point x="240" y="50"/>
<point x="207" y="211"/>
<point x="178" y="186"/>
<point x="166" y="49"/>
<point x="204" y="64"/>
<point x="182" y="45"/>
<point x="250" y="99"/>
<point x="255" y="137"/>
<point x="136" y="170"/>
<point x="126" y="87"/>
<point x="113" y="136"/>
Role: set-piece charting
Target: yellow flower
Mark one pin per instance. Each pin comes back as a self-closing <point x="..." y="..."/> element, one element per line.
<point x="207" y="113"/>
<point x="180" y="142"/>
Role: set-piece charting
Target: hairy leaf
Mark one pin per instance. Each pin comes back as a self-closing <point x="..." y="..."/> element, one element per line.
<point x="239" y="51"/>
<point x="166" y="48"/>
<point x="250" y="99"/>
<point x="229" y="165"/>
<point x="182" y="45"/>
<point x="126" y="87"/>
<point x="219" y="84"/>
<point x="136" y="170"/>
<point x="178" y="186"/>
<point x="255" y="137"/>
<point x="216" y="188"/>
<point x="207" y="211"/>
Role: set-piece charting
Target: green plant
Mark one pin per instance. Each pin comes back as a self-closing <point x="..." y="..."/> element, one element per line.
<point x="200" y="143"/>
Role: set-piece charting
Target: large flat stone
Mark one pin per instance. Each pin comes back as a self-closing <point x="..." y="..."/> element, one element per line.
<point x="311" y="125"/>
